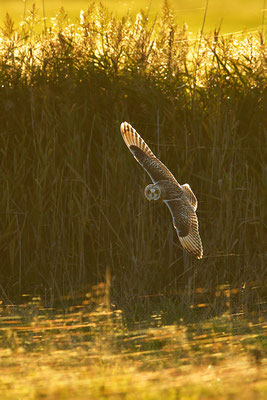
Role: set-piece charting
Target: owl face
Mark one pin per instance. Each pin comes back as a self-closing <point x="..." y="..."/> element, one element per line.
<point x="152" y="192"/>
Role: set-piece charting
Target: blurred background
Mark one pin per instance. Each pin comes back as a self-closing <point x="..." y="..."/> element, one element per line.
<point x="230" y="15"/>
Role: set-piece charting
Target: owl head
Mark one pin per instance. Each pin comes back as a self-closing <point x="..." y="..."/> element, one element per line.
<point x="152" y="192"/>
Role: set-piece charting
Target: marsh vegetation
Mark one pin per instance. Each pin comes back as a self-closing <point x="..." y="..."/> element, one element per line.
<point x="72" y="198"/>
<point x="74" y="218"/>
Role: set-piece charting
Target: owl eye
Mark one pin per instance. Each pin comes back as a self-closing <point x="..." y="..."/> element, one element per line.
<point x="149" y="191"/>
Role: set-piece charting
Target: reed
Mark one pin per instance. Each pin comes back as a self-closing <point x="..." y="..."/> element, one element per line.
<point x="72" y="203"/>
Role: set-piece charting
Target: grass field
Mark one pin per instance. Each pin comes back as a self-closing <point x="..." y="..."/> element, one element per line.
<point x="91" y="353"/>
<point x="97" y="298"/>
<point x="232" y="16"/>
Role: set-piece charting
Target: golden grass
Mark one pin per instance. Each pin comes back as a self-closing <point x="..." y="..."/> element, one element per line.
<point x="90" y="352"/>
<point x="53" y="376"/>
<point x="72" y="197"/>
<point x="163" y="326"/>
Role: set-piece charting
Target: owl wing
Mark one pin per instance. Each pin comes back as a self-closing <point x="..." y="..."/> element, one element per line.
<point x="144" y="155"/>
<point x="186" y="224"/>
<point x="190" y="195"/>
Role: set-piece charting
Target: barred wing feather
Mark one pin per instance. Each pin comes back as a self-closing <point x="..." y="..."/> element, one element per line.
<point x="186" y="224"/>
<point x="181" y="202"/>
<point x="190" y="195"/>
<point x="144" y="155"/>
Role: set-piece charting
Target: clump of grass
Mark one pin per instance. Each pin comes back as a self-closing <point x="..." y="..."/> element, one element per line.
<point x="72" y="203"/>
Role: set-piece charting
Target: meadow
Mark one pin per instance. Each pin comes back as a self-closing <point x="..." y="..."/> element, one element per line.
<point x="97" y="295"/>
<point x="91" y="352"/>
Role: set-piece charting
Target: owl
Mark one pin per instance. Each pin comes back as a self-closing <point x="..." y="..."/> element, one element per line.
<point x="179" y="199"/>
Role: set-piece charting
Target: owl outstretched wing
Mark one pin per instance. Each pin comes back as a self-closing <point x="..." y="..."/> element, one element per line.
<point x="186" y="224"/>
<point x="184" y="206"/>
<point x="190" y="195"/>
<point x="144" y="155"/>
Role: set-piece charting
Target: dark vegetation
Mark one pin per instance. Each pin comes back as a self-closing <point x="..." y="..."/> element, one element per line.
<point x="72" y="204"/>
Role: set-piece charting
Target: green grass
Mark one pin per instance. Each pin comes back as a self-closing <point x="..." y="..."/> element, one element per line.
<point x="89" y="351"/>
<point x="232" y="16"/>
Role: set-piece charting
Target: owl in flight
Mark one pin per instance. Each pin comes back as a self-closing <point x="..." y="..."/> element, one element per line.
<point x="179" y="199"/>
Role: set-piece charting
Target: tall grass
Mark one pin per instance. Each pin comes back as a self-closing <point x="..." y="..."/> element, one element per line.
<point x="72" y="203"/>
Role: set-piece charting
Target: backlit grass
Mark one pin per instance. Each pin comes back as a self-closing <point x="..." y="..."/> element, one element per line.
<point x="90" y="351"/>
<point x="73" y="213"/>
